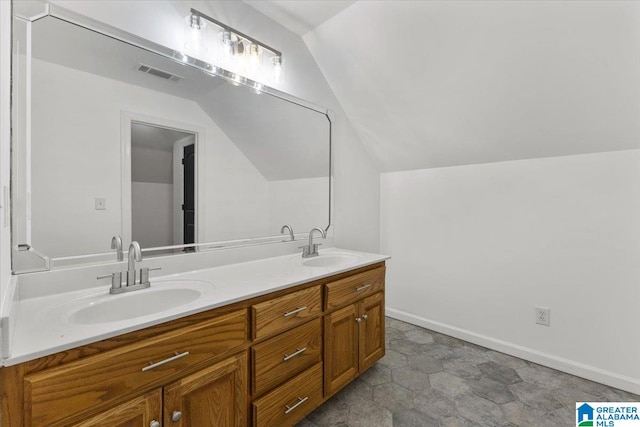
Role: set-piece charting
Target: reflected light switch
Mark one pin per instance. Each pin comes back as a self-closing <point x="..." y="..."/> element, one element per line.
<point x="101" y="203"/>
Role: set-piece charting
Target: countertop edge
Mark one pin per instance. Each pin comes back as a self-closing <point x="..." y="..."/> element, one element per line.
<point x="14" y="359"/>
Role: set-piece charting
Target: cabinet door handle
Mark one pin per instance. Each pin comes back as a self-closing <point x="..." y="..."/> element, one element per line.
<point x="358" y="319"/>
<point x="162" y="362"/>
<point x="362" y="288"/>
<point x="300" y="402"/>
<point x="154" y="423"/>
<point x="297" y="310"/>
<point x="365" y="317"/>
<point x="176" y="416"/>
<point x="292" y="355"/>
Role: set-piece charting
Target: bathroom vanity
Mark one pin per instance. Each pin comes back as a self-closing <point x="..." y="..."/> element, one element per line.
<point x="231" y="342"/>
<point x="266" y="360"/>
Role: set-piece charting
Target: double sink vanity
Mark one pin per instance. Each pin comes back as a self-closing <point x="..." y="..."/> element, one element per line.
<point x="259" y="343"/>
<point x="202" y="167"/>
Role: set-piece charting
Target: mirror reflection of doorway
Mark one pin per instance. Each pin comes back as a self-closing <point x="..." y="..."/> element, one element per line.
<point x="162" y="185"/>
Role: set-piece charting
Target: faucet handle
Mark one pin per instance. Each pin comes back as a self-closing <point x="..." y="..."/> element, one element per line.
<point x="144" y="274"/>
<point x="116" y="279"/>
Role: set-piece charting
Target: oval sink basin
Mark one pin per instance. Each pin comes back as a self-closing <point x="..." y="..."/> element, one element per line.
<point x="329" y="260"/>
<point x="160" y="297"/>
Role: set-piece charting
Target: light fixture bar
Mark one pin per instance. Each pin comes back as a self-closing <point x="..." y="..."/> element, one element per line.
<point x="234" y="31"/>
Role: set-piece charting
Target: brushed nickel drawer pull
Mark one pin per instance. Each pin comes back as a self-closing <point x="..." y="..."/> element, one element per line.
<point x="162" y="362"/>
<point x="362" y="288"/>
<point x="297" y="310"/>
<point x="300" y="402"/>
<point x="292" y="355"/>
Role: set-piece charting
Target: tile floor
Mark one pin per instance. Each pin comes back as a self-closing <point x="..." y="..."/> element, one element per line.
<point x="428" y="379"/>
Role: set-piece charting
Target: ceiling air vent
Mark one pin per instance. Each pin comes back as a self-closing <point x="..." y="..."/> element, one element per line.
<point x="158" y="73"/>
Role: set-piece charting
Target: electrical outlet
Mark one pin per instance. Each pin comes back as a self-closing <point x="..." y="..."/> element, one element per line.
<point x="543" y="316"/>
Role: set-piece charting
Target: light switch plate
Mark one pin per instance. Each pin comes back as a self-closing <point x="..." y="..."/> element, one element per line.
<point x="101" y="203"/>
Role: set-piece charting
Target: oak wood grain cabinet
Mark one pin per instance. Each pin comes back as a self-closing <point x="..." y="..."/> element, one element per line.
<point x="354" y="334"/>
<point x="143" y="411"/>
<point x="217" y="394"/>
<point x="56" y="394"/>
<point x="264" y="361"/>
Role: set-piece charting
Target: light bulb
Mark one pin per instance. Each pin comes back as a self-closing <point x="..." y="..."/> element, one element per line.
<point x="277" y="68"/>
<point x="195" y="33"/>
<point x="227" y="46"/>
<point x="254" y="57"/>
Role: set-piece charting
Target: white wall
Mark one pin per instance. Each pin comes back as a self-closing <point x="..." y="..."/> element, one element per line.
<point x="76" y="158"/>
<point x="152" y="214"/>
<point x="475" y="248"/>
<point x="443" y="83"/>
<point x="297" y="202"/>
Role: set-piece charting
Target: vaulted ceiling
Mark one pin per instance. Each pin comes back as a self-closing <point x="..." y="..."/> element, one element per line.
<point x="441" y="83"/>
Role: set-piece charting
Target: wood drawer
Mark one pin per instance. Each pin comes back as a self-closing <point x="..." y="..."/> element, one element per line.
<point x="285" y="312"/>
<point x="283" y="356"/>
<point x="290" y="402"/>
<point x="354" y="288"/>
<point x="61" y="392"/>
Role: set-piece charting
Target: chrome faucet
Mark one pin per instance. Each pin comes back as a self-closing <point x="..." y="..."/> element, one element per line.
<point x="311" y="249"/>
<point x="116" y="243"/>
<point x="135" y="254"/>
<point x="285" y="227"/>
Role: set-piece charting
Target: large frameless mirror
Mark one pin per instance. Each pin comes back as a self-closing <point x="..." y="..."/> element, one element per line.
<point x="115" y="135"/>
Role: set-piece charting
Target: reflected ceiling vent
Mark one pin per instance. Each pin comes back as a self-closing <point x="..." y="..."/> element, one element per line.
<point x="158" y="73"/>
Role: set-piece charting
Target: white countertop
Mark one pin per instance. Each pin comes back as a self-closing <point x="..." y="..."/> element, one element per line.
<point x="42" y="326"/>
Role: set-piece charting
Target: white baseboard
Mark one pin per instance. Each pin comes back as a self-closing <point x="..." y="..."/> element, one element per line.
<point x="612" y="379"/>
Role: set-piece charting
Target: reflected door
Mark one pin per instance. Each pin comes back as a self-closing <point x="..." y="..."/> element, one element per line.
<point x="188" y="205"/>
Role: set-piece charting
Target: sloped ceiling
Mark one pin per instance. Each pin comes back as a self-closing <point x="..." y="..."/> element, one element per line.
<point x="442" y="83"/>
<point x="300" y="16"/>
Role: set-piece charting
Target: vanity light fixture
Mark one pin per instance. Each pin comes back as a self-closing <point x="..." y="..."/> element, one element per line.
<point x="243" y="53"/>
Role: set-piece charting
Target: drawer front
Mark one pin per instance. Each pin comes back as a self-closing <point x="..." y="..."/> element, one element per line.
<point x="58" y="393"/>
<point x="284" y="356"/>
<point x="285" y="312"/>
<point x="354" y="288"/>
<point x="290" y="402"/>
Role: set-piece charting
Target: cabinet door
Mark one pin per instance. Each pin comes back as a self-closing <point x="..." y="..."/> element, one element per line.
<point x="213" y="396"/>
<point x="371" y="340"/>
<point x="341" y="348"/>
<point x="138" y="412"/>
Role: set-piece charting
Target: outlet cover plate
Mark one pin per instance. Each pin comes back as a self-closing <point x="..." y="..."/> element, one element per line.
<point x="543" y="316"/>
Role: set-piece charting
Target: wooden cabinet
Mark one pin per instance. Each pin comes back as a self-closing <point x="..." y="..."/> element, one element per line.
<point x="215" y="396"/>
<point x="306" y="343"/>
<point x="282" y="357"/>
<point x="284" y="312"/>
<point x="354" y="340"/>
<point x="289" y="403"/>
<point x="371" y="331"/>
<point x="54" y="394"/>
<point x="353" y="288"/>
<point x="143" y="411"/>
